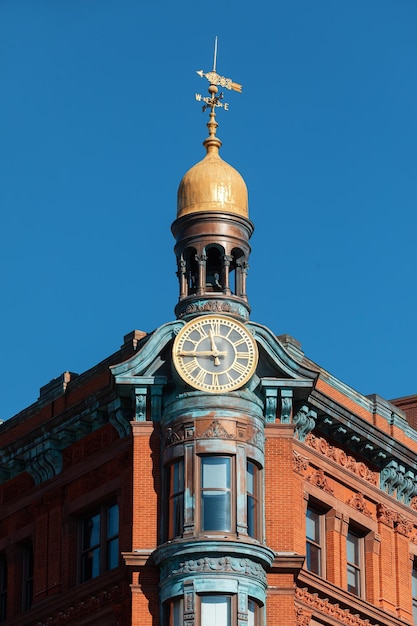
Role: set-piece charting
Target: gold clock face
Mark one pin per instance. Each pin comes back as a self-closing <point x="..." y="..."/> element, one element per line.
<point x="215" y="354"/>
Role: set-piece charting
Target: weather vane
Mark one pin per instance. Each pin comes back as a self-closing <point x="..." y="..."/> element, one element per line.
<point x="215" y="80"/>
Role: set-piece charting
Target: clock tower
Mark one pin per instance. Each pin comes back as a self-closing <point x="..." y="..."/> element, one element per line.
<point x="204" y="387"/>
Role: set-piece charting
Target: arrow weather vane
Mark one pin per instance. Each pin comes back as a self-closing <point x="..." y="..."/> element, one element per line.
<point x="215" y="79"/>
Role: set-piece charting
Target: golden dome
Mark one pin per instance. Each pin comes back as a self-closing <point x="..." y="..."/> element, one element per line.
<point x="212" y="185"/>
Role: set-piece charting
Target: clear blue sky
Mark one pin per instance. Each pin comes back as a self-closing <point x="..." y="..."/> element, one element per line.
<point x="98" y="123"/>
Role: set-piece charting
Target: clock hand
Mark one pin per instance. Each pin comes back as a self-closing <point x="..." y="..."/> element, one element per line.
<point x="214" y="348"/>
<point x="214" y="353"/>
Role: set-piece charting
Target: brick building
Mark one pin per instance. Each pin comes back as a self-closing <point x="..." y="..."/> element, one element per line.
<point x="209" y="473"/>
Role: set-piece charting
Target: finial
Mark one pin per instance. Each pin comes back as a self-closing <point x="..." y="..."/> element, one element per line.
<point x="213" y="100"/>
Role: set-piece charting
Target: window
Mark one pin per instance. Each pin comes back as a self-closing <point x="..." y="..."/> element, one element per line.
<point x="354" y="557"/>
<point x="252" y="501"/>
<point x="176" y="499"/>
<point x="216" y="493"/>
<point x="3" y="588"/>
<point x="100" y="542"/>
<point x="215" y="610"/>
<point x="27" y="575"/>
<point x="414" y="589"/>
<point x="315" y="540"/>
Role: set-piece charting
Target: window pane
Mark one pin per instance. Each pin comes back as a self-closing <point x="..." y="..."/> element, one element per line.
<point x="215" y="611"/>
<point x="251" y="505"/>
<point x="216" y="510"/>
<point x="313" y="558"/>
<point x="250" y="478"/>
<point x="313" y="525"/>
<point x="352" y="548"/>
<point x="353" y="576"/>
<point x="113" y="521"/>
<point x="253" y="613"/>
<point x="216" y="472"/>
<point x="176" y="613"/>
<point x="91" y="531"/>
<point x="113" y="553"/>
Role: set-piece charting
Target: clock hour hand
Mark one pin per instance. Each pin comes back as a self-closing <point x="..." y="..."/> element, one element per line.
<point x="216" y="353"/>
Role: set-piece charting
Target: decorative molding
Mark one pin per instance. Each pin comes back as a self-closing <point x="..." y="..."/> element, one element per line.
<point x="341" y="458"/>
<point x="224" y="564"/>
<point x="403" y="526"/>
<point x="302" y="616"/>
<point x="319" y="480"/>
<point x="184" y="309"/>
<point x="324" y="606"/>
<point x="385" y="515"/>
<point x="358" y="502"/>
<point x="89" y="445"/>
<point x="216" y="431"/>
<point x="300" y="463"/>
<point x="81" y="609"/>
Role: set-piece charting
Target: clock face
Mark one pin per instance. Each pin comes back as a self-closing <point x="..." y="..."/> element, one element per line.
<point x="215" y="354"/>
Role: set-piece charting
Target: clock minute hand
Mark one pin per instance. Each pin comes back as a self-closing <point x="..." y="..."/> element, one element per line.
<point x="214" y="353"/>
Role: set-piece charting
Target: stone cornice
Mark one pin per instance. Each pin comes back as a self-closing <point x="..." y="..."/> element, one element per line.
<point x="324" y="598"/>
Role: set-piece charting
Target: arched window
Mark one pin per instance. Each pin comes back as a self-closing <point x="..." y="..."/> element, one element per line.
<point x="214" y="269"/>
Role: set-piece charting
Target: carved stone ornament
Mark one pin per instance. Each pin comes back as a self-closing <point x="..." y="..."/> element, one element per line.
<point x="211" y="306"/>
<point x="385" y="515"/>
<point x="358" y="502"/>
<point x="224" y="564"/>
<point x="341" y="458"/>
<point x="172" y="436"/>
<point x="300" y="463"/>
<point x="324" y="606"/>
<point x="75" y="613"/>
<point x="302" y="616"/>
<point x="319" y="480"/>
<point x="403" y="525"/>
<point x="216" y="431"/>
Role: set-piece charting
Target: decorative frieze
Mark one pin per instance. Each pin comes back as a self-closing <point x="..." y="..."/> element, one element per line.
<point x="302" y="616"/>
<point x="216" y="565"/>
<point x="395" y="520"/>
<point x="324" y="606"/>
<point x="341" y="458"/>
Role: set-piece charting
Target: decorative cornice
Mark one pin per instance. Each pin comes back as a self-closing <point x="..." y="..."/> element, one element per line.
<point x="78" y="611"/>
<point x="340" y="457"/>
<point x="323" y="605"/>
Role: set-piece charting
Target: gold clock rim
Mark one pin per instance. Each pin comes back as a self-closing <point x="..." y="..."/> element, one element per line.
<point x="223" y="318"/>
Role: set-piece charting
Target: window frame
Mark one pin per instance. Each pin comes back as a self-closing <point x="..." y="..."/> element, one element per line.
<point x="414" y="588"/>
<point x="106" y="539"/>
<point x="229" y="490"/>
<point x="255" y="498"/>
<point x="357" y="568"/>
<point x="3" y="587"/>
<point x="27" y="574"/>
<point x="175" y="610"/>
<point x="320" y="544"/>
<point x="176" y="499"/>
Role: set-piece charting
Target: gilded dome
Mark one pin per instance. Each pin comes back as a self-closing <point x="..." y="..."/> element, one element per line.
<point x="212" y="185"/>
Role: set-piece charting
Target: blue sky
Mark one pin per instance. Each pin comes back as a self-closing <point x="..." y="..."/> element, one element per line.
<point x="98" y="123"/>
